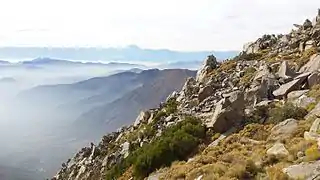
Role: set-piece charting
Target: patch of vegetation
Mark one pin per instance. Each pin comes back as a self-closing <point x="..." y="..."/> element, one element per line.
<point x="171" y="106"/>
<point x="305" y="56"/>
<point x="311" y="106"/>
<point x="248" y="76"/>
<point x="288" y="110"/>
<point x="257" y="132"/>
<point x="176" y="143"/>
<point x="275" y="172"/>
<point x="248" y="57"/>
<point x="228" y="66"/>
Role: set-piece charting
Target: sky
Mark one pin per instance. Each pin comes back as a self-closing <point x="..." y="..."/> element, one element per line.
<point x="186" y="25"/>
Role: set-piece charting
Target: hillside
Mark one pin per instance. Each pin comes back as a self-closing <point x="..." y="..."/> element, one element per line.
<point x="256" y="116"/>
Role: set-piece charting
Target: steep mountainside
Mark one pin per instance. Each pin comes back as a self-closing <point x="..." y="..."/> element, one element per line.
<point x="157" y="86"/>
<point x="256" y="116"/>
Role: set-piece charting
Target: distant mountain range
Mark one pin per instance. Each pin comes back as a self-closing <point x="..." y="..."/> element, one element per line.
<point x="129" y="53"/>
<point x="57" y="62"/>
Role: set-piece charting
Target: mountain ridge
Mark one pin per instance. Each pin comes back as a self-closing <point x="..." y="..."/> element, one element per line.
<point x="255" y="116"/>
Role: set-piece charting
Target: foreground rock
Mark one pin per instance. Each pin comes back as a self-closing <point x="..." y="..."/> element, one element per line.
<point x="278" y="149"/>
<point x="228" y="112"/>
<point x="308" y="171"/>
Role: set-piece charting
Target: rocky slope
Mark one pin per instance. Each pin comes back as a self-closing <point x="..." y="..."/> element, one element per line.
<point x="256" y="116"/>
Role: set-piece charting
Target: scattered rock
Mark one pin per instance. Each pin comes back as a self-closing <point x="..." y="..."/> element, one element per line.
<point x="278" y="149"/>
<point x="311" y="136"/>
<point x="284" y="89"/>
<point x="303" y="101"/>
<point x="304" y="170"/>
<point x="296" y="94"/>
<point x="142" y="117"/>
<point x="285" y="71"/>
<point x="227" y="113"/>
<point x="125" y="149"/>
<point x="312" y="65"/>
<point x="314" y="79"/>
<point x="205" y="92"/>
<point x="283" y="130"/>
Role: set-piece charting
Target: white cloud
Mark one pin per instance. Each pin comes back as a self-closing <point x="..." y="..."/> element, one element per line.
<point x="174" y="24"/>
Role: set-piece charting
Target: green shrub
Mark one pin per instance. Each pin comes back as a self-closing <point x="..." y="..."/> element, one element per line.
<point x="176" y="143"/>
<point x="248" y="57"/>
<point x="248" y="76"/>
<point x="281" y="113"/>
<point x="171" y="106"/>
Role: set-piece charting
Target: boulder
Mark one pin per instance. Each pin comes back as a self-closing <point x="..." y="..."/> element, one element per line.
<point x="278" y="149"/>
<point x="263" y="72"/>
<point x="125" y="149"/>
<point x="315" y="127"/>
<point x="174" y="94"/>
<point x="283" y="130"/>
<point x="296" y="94"/>
<point x="189" y="88"/>
<point x="209" y="64"/>
<point x="311" y="136"/>
<point x="312" y="65"/>
<point x="306" y="170"/>
<point x="205" y="92"/>
<point x="307" y="24"/>
<point x="295" y="84"/>
<point x="309" y="44"/>
<point x="285" y="71"/>
<point x="303" y="101"/>
<point x="314" y="79"/>
<point x="142" y="117"/>
<point x="227" y="113"/>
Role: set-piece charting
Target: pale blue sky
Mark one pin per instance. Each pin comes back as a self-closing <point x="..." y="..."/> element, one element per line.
<point x="172" y="24"/>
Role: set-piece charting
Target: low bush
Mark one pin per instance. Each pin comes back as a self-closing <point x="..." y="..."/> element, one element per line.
<point x="248" y="57"/>
<point x="176" y="143"/>
<point x="288" y="110"/>
<point x="247" y="77"/>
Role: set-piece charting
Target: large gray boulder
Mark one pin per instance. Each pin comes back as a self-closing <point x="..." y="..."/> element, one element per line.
<point x="296" y="94"/>
<point x="305" y="170"/>
<point x="285" y="71"/>
<point x="314" y="79"/>
<point x="303" y="101"/>
<point x="312" y="65"/>
<point x="209" y="64"/>
<point x="283" y="130"/>
<point x="142" y="117"/>
<point x="205" y="92"/>
<point x="293" y="85"/>
<point x="228" y="112"/>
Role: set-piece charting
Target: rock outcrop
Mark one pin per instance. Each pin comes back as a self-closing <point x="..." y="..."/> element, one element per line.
<point x="233" y="99"/>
